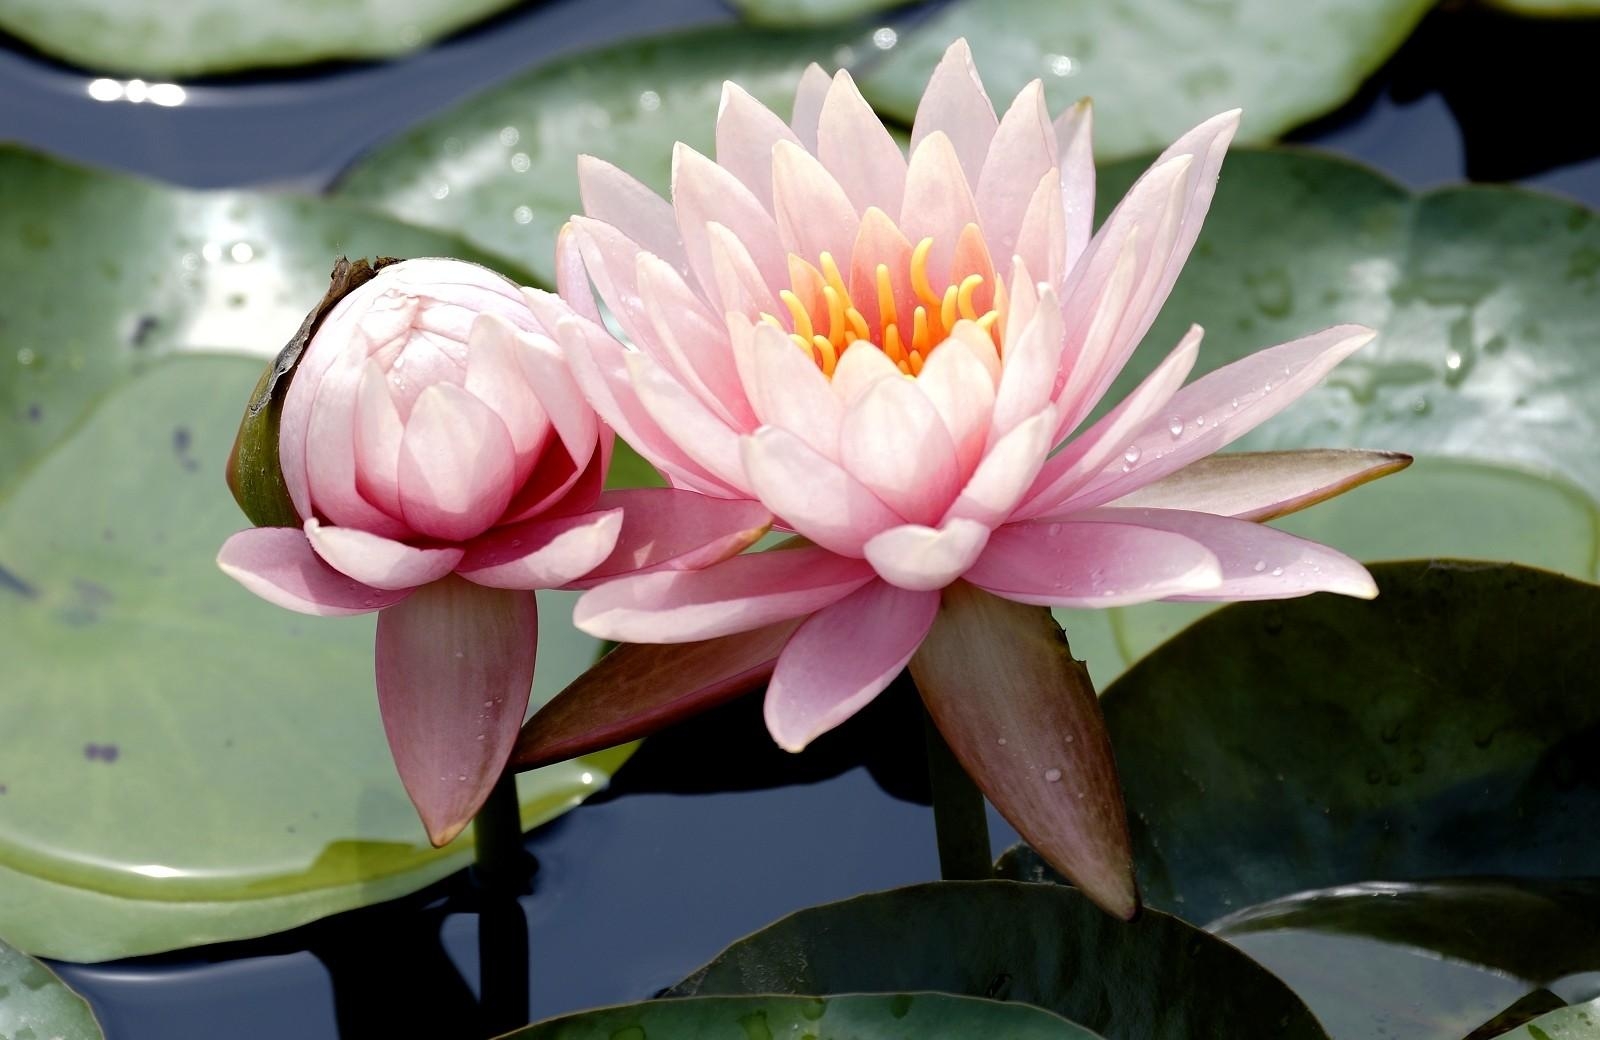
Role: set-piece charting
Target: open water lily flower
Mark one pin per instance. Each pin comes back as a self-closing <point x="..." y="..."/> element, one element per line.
<point x="442" y="464"/>
<point x="899" y="358"/>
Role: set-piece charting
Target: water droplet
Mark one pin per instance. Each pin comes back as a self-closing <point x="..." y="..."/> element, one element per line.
<point x="481" y="738"/>
<point x="1199" y="420"/>
<point x="1259" y="566"/>
<point x="1235" y="404"/>
<point x="520" y="163"/>
<point x="1052" y="776"/>
<point x="488" y="704"/>
<point x="1452" y="360"/>
<point x="885" y="38"/>
<point x="1277" y="572"/>
<point x="461" y="778"/>
<point x="1175" y="427"/>
<point x="26" y="357"/>
<point x="1421" y="406"/>
<point x="241" y="252"/>
<point x="441" y="191"/>
<point x="509" y="135"/>
<point x="460" y="654"/>
<point x="1132" y="454"/>
<point x="1053" y="529"/>
<point x="649" y="100"/>
<point x="522" y="215"/>
<point x="1001" y="741"/>
<point x="1069" y="738"/>
<point x="1060" y="65"/>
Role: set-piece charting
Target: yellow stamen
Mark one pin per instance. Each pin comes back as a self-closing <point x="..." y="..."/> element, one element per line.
<point x="797" y="311"/>
<point x="916" y="363"/>
<point x="919" y="330"/>
<point x="831" y="275"/>
<point x="886" y="314"/>
<point x="858" y="324"/>
<point x="947" y="309"/>
<point x="969" y="285"/>
<point x="919" y="273"/>
<point x="826" y="356"/>
<point x="892" y="347"/>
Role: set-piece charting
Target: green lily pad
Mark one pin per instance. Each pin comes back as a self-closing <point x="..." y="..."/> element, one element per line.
<point x="1438" y="731"/>
<point x="1155" y="68"/>
<point x="1043" y="945"/>
<point x="1579" y="1022"/>
<point x="926" y="1016"/>
<point x="34" y="1003"/>
<point x="202" y="37"/>
<point x="501" y="168"/>
<point x="181" y="763"/>
<point x="1549" y="8"/>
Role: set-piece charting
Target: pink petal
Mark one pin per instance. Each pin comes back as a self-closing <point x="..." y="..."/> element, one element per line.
<point x="1199" y="153"/>
<point x="495" y="376"/>
<point x="956" y="105"/>
<point x="1074" y="138"/>
<point x="599" y="366"/>
<point x="894" y="442"/>
<point x="611" y="259"/>
<point x="613" y="197"/>
<point x="738" y="286"/>
<point x="1220" y="407"/>
<point x="668" y="529"/>
<point x="704" y="193"/>
<point x="693" y="342"/>
<point x="377" y="561"/>
<point x="1071" y="564"/>
<point x="1264" y="485"/>
<point x="1258" y="562"/>
<point x="841" y="658"/>
<point x="640" y="688"/>
<point x="924" y="559"/>
<point x="860" y="367"/>
<point x="961" y="390"/>
<point x="857" y="150"/>
<point x="814" y="214"/>
<point x="572" y="279"/>
<point x="791" y="393"/>
<point x="938" y="202"/>
<point x="558" y="485"/>
<point x="544" y="366"/>
<point x="330" y="456"/>
<point x="1022" y="153"/>
<point x="378" y="430"/>
<point x="278" y="564"/>
<point x="542" y="553"/>
<point x="457" y="465"/>
<point x="1033" y="354"/>
<point x="454" y="665"/>
<point x="809" y="97"/>
<point x="811" y="494"/>
<point x="1042" y="234"/>
<point x="737" y="595"/>
<point x="1112" y="438"/>
<point x="746" y="132"/>
<point x="880" y="243"/>
<point x="699" y="432"/>
<point x="1006" y="472"/>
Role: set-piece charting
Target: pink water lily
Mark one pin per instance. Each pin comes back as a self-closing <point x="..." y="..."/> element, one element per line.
<point x="899" y="358"/>
<point x="443" y="465"/>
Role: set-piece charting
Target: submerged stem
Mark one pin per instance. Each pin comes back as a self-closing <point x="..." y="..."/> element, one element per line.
<point x="960" y="818"/>
<point x="502" y="870"/>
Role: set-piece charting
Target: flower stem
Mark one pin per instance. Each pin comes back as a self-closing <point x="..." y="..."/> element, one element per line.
<point x="960" y="819"/>
<point x="502" y="871"/>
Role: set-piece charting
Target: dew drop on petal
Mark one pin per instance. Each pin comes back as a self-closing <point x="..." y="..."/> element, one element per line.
<point x="1277" y="572"/>
<point x="1260" y="565"/>
<point x="1175" y="427"/>
<point x="1053" y="775"/>
<point x="1132" y="454"/>
<point x="461" y="777"/>
<point x="1001" y="741"/>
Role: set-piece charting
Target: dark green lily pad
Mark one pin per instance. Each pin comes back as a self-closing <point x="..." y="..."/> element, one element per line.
<point x="926" y="1016"/>
<point x="1034" y="944"/>
<point x="200" y="37"/>
<point x="179" y="762"/>
<point x="810" y="12"/>
<point x="501" y="168"/>
<point x="1155" y="68"/>
<point x="1438" y="731"/>
<point x="34" y="1003"/>
<point x="1549" y="8"/>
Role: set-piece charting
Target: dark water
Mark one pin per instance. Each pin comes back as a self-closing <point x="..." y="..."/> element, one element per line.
<point x="645" y="883"/>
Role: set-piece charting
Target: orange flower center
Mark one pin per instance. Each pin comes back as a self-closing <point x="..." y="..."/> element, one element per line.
<point x="824" y="319"/>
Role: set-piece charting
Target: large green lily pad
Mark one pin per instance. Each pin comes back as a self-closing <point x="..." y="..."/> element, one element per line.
<point x="501" y="168"/>
<point x="1487" y="365"/>
<point x="1157" y="67"/>
<point x="1035" y="944"/>
<point x="34" y="1003"/>
<point x="179" y="762"/>
<point x="200" y="37"/>
<point x="1438" y="731"/>
<point x="926" y="1016"/>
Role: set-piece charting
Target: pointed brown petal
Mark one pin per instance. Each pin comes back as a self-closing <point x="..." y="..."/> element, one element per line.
<point x="639" y="688"/>
<point x="1021" y="715"/>
<point x="1264" y="485"/>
